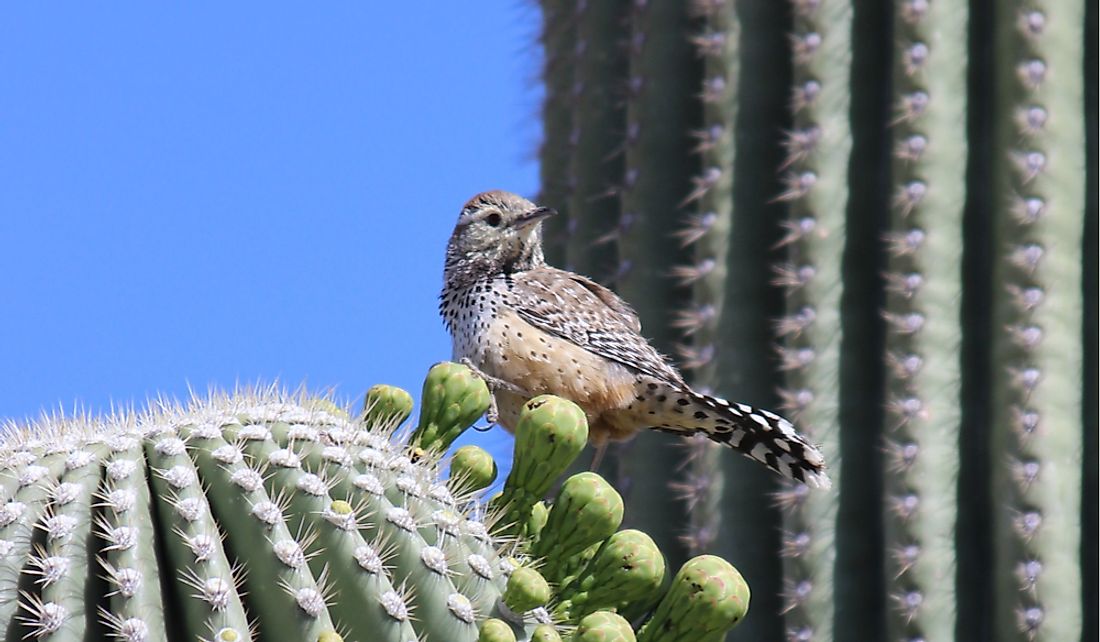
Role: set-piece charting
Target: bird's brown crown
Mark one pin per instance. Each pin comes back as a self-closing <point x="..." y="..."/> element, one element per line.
<point x="497" y="233"/>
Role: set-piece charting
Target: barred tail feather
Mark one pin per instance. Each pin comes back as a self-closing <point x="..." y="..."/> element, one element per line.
<point x="759" y="434"/>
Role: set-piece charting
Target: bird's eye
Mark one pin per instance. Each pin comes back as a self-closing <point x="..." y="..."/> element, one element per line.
<point x="493" y="219"/>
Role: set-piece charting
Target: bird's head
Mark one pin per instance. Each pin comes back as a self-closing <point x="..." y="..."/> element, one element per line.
<point x="497" y="232"/>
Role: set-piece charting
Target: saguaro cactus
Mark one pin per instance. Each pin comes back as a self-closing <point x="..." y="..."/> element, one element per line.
<point x="912" y="182"/>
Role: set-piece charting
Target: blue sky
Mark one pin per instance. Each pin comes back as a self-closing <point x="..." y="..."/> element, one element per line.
<point x="206" y="193"/>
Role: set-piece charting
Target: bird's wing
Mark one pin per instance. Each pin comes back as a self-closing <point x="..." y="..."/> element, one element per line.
<point x="589" y="315"/>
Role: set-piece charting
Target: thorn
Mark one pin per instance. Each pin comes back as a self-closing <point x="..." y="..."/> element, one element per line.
<point x="1026" y="257"/>
<point x="804" y="95"/>
<point x="694" y="319"/>
<point x="913" y="11"/>
<point x="901" y="456"/>
<point x="904" y="366"/>
<point x="1029" y="164"/>
<point x="903" y="285"/>
<point x="911" y="107"/>
<point x="906" y="243"/>
<point x="689" y="274"/>
<point x="794" y="358"/>
<point x="905" y="324"/>
<point x="911" y="148"/>
<point x="804" y="46"/>
<point x="795" y="324"/>
<point x="906" y="409"/>
<point x="1031" y="23"/>
<point x="793" y="278"/>
<point x="1031" y="74"/>
<point x="1030" y="120"/>
<point x="797" y="230"/>
<point x="908" y="196"/>
<point x="914" y="58"/>
<point x="1028" y="211"/>
<point x="798" y="185"/>
<point x="1025" y="299"/>
<point x="703" y="184"/>
<point x="800" y="143"/>
<point x="696" y="226"/>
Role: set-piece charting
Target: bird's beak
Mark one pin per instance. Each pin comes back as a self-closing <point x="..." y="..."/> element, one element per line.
<point x="528" y="219"/>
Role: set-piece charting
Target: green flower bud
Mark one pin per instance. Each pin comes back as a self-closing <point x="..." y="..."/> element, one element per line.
<point x="603" y="626"/>
<point x="707" y="597"/>
<point x="526" y="589"/>
<point x="386" y="406"/>
<point x="494" y="630"/>
<point x="545" y="633"/>
<point x="587" y="510"/>
<point x="452" y="400"/>
<point x="628" y="567"/>
<point x="551" y="432"/>
<point x="472" y="469"/>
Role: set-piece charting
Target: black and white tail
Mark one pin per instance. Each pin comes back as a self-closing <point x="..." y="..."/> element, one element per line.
<point x="759" y="434"/>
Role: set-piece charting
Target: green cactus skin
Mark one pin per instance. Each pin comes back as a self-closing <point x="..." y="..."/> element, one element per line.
<point x="472" y="469"/>
<point x="817" y="194"/>
<point x="586" y="511"/>
<point x="193" y="543"/>
<point x="597" y="120"/>
<point x="454" y="397"/>
<point x="558" y="39"/>
<point x="707" y="233"/>
<point x="387" y="405"/>
<point x="664" y="76"/>
<point x="550" y="433"/>
<point x="1037" y="351"/>
<point x="127" y="520"/>
<point x="627" y="568"/>
<point x="707" y="598"/>
<point x="18" y="518"/>
<point x="924" y="294"/>
<point x="603" y="626"/>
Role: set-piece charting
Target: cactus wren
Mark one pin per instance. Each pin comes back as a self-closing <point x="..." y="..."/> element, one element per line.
<point x="531" y="329"/>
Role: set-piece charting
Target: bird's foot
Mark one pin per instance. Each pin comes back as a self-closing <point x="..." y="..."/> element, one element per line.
<point x="493" y="384"/>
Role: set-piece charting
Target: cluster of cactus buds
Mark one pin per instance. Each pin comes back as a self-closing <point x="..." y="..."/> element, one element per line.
<point x="272" y="516"/>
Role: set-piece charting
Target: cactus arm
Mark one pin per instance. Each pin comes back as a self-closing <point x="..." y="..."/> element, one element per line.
<point x="817" y="191"/>
<point x="664" y="76"/>
<point x="598" y="116"/>
<point x="922" y="319"/>
<point x="558" y="40"/>
<point x="1037" y="312"/>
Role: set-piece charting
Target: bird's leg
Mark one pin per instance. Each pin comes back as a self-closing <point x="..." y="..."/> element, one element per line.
<point x="493" y="384"/>
<point x="597" y="457"/>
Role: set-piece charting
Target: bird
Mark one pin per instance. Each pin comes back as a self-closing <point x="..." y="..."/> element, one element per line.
<point x="528" y="328"/>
